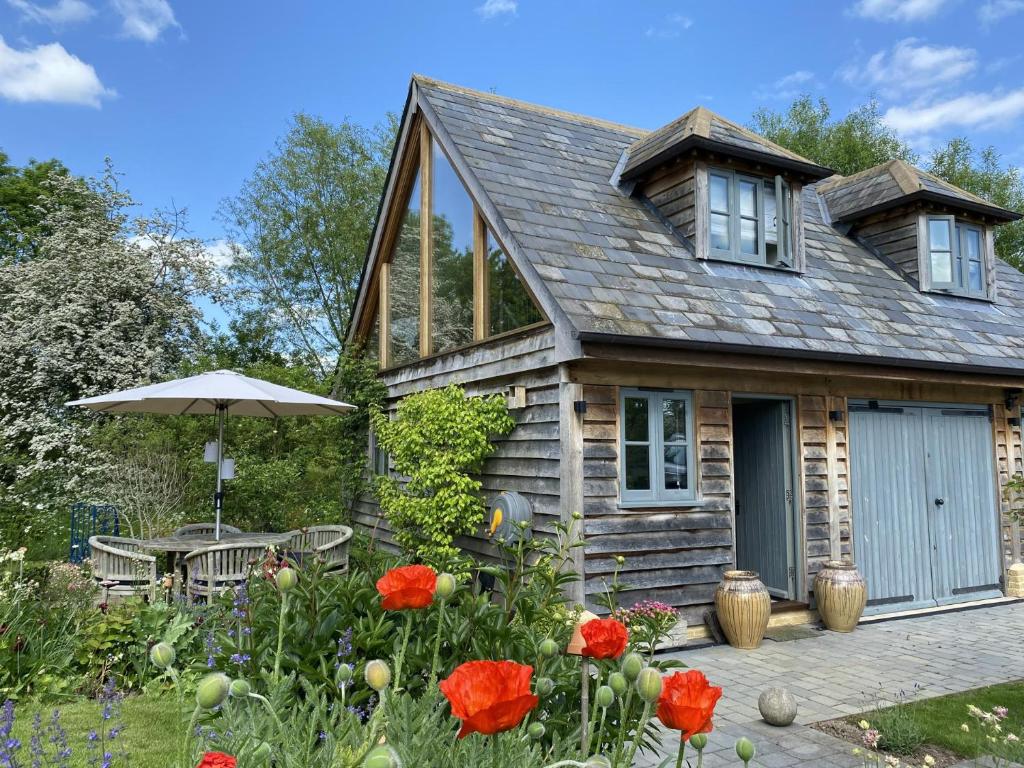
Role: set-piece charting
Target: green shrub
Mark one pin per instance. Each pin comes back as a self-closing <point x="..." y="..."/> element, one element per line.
<point x="437" y="441"/>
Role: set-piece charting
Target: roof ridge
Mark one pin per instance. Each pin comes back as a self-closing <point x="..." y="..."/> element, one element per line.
<point x="762" y="139"/>
<point x="552" y="111"/>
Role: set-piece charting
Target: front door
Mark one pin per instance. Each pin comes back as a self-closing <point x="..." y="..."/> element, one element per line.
<point x="926" y="525"/>
<point x="762" y="436"/>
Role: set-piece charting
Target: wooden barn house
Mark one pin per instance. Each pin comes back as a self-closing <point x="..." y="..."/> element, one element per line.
<point x="721" y="353"/>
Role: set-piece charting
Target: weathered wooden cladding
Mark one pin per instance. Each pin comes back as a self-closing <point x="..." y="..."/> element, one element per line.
<point x="894" y="235"/>
<point x="672" y="191"/>
<point x="526" y="460"/>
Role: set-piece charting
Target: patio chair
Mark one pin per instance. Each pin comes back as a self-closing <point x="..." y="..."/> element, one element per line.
<point x="212" y="570"/>
<point x="327" y="542"/>
<point x="200" y="529"/>
<point x="121" y="567"/>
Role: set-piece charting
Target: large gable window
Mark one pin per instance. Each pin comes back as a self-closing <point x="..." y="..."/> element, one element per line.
<point x="656" y="446"/>
<point x="448" y="282"/>
<point x="749" y="218"/>
<point x="955" y="253"/>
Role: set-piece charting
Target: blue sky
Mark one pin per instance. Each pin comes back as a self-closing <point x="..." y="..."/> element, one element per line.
<point x="186" y="97"/>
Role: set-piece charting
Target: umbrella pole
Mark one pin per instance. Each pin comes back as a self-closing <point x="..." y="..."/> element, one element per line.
<point x="218" y="497"/>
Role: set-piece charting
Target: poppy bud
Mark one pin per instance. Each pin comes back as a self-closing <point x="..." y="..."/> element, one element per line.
<point x="162" y="655"/>
<point x="604" y="697"/>
<point x="287" y="578"/>
<point x="536" y="731"/>
<point x="344" y="673"/>
<point x="699" y="741"/>
<point x="446" y="585"/>
<point x="598" y="761"/>
<point x="618" y="683"/>
<point x="577" y="515"/>
<point x="620" y="560"/>
<point x="239" y="689"/>
<point x="545" y="686"/>
<point x="378" y="675"/>
<point x="745" y="750"/>
<point x="648" y="685"/>
<point x="212" y="690"/>
<point x="548" y="648"/>
<point x="382" y="756"/>
<point x="631" y="666"/>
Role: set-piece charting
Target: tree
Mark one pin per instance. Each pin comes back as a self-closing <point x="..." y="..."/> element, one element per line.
<point x="982" y="174"/>
<point x="23" y="201"/>
<point x="858" y="141"/>
<point x="104" y="305"/>
<point x="302" y="222"/>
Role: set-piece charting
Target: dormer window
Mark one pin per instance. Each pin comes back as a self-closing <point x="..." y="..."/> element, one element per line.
<point x="746" y="221"/>
<point x="956" y="256"/>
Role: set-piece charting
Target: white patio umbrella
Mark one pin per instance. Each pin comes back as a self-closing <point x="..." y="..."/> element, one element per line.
<point x="214" y="394"/>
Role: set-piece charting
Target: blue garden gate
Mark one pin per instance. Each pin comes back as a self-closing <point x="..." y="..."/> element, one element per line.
<point x="90" y="520"/>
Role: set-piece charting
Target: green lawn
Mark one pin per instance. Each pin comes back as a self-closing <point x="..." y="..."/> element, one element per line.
<point x="148" y="737"/>
<point x="940" y="718"/>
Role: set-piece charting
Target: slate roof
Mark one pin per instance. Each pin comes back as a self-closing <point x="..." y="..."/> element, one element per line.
<point x="894" y="183"/>
<point x="619" y="274"/>
<point x="702" y="128"/>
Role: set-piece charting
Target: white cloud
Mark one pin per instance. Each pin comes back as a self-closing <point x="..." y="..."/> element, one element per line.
<point x="222" y="252"/>
<point x="492" y="8"/>
<point x="912" y="66"/>
<point x="971" y="110"/>
<point x="49" y="73"/>
<point x="897" y="10"/>
<point x="59" y="14"/>
<point x="674" y="25"/>
<point x="789" y="86"/>
<point x="995" y="10"/>
<point x="145" y="20"/>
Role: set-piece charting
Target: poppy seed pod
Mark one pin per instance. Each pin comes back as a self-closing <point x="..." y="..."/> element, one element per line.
<point x="378" y="675"/>
<point x="545" y="685"/>
<point x="632" y="664"/>
<point x="446" y="585"/>
<point x="162" y="655"/>
<point x="212" y="690"/>
<point x="648" y="685"/>
<point x="548" y="648"/>
<point x="618" y="683"/>
<point x="382" y="756"/>
<point x="604" y="697"/>
<point x="699" y="741"/>
<point x="745" y="749"/>
<point x="239" y="689"/>
<point x="287" y="578"/>
<point x="536" y="731"/>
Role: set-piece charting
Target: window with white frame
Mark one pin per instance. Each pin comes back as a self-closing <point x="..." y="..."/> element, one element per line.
<point x="656" y="446"/>
<point x="955" y="252"/>
<point x="749" y="218"/>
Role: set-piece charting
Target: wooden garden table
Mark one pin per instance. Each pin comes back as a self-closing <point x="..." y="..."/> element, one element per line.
<point x="182" y="545"/>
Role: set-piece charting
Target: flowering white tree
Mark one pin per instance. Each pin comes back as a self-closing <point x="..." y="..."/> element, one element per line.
<point x="105" y="304"/>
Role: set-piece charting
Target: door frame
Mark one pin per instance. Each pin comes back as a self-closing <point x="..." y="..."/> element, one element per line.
<point x="985" y="409"/>
<point x="797" y="535"/>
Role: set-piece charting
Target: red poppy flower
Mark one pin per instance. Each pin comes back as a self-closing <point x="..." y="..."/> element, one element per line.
<point x="606" y="638"/>
<point x="489" y="696"/>
<point x="411" y="586"/>
<point x="687" y="703"/>
<point x="217" y="760"/>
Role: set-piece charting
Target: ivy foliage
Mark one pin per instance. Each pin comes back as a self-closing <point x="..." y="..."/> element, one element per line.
<point x="437" y="442"/>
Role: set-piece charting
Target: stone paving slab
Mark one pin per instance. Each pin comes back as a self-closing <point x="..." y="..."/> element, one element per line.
<point x="833" y="675"/>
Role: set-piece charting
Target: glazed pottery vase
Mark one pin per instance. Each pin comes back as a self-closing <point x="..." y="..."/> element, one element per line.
<point x="743" y="607"/>
<point x="841" y="593"/>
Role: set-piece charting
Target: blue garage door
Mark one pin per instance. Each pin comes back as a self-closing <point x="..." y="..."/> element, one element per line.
<point x="925" y="519"/>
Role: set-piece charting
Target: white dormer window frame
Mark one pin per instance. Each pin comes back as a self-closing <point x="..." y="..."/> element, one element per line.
<point x="957" y="256"/>
<point x="740" y="219"/>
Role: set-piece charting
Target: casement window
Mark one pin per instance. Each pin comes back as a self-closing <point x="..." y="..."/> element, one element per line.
<point x="955" y="252"/>
<point x="656" y="446"/>
<point x="380" y="463"/>
<point x="749" y="219"/>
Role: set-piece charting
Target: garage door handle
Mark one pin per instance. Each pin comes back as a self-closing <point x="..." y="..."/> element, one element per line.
<point x="939" y="502"/>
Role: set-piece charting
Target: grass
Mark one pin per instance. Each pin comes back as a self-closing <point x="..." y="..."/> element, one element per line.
<point x="939" y="719"/>
<point x="148" y="737"/>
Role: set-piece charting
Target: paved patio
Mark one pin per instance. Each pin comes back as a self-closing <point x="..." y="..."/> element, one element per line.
<point x="834" y="675"/>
